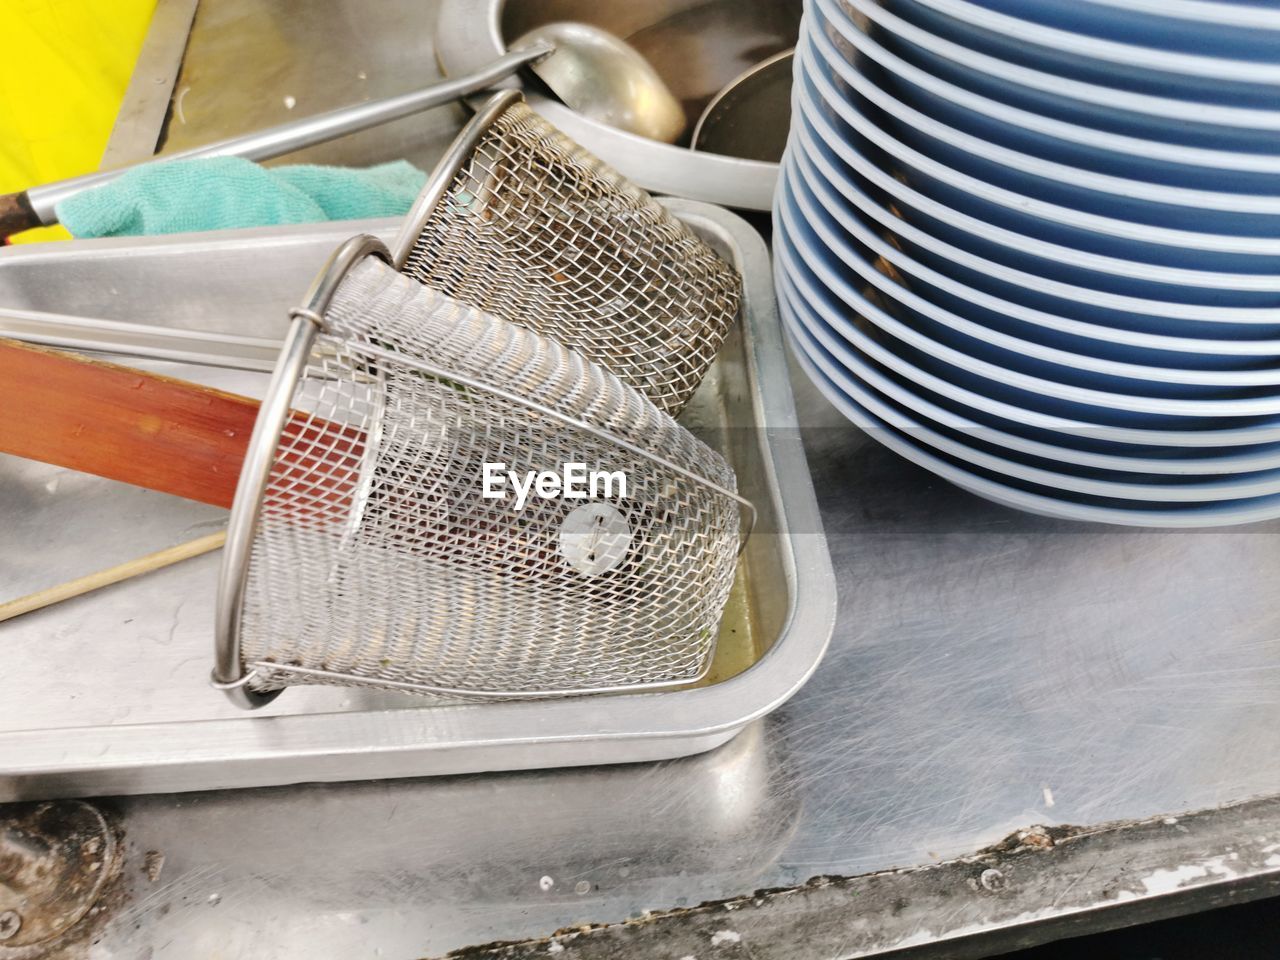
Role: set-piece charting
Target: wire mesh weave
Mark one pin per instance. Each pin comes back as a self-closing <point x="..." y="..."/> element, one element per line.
<point x="538" y="231"/>
<point x="376" y="557"/>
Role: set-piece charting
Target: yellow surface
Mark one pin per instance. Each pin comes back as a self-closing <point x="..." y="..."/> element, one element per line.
<point x="63" y="74"/>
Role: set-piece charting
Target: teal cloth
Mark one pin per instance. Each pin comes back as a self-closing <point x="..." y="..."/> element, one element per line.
<point x="218" y="193"/>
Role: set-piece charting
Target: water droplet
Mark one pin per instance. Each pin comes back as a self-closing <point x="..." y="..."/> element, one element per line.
<point x="215" y="899"/>
<point x="581" y="887"/>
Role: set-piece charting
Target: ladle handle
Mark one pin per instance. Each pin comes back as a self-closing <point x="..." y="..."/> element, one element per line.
<point x="37" y="205"/>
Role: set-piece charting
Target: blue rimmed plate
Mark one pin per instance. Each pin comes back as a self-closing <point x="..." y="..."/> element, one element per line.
<point x="845" y="398"/>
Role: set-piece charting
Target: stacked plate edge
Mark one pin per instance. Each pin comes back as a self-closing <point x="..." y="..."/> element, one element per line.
<point x="1034" y="246"/>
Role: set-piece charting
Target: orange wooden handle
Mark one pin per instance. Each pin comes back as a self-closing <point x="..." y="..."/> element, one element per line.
<point x="123" y="424"/>
<point x="163" y="434"/>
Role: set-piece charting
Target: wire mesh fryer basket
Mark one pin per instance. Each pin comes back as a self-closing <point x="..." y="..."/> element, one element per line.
<point x="521" y="222"/>
<point x="363" y="551"/>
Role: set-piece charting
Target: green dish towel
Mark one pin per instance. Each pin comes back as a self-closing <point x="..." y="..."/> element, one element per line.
<point x="218" y="193"/>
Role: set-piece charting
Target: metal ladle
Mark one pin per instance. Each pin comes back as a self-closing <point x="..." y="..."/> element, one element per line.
<point x="589" y="69"/>
<point x="600" y="76"/>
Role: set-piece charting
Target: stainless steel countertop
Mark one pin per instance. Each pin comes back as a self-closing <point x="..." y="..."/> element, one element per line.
<point x="990" y="670"/>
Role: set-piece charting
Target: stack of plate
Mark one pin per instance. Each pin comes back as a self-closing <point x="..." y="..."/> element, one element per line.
<point x="1034" y="246"/>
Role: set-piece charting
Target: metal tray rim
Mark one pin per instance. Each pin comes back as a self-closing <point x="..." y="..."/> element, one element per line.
<point x="469" y="738"/>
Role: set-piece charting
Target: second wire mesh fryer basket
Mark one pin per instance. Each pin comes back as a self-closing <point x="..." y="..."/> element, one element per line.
<point x="361" y="549"/>
<point x="521" y="222"/>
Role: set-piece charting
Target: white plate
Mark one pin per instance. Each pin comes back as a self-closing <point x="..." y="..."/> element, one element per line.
<point x="836" y="101"/>
<point x="951" y="141"/>
<point x="1104" y="294"/>
<point x="821" y="316"/>
<point x="1101" y="147"/>
<point x="814" y="181"/>
<point x="1113" y="342"/>
<point x="1191" y="516"/>
<point x="1164" y="314"/>
<point x="1172" y="491"/>
<point x="1019" y="80"/>
<point x="1090" y="48"/>
<point x="790" y="227"/>
<point x="1115" y="273"/>
<point x="1199" y="15"/>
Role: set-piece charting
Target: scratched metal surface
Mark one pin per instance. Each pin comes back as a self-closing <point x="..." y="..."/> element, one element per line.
<point x="989" y="670"/>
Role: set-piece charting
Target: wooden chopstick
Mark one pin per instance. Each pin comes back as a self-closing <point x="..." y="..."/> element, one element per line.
<point x="104" y="578"/>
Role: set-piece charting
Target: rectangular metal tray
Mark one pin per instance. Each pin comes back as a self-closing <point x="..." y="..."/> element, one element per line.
<point x="108" y="693"/>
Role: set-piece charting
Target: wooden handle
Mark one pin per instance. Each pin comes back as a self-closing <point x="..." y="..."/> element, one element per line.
<point x="104" y="578"/>
<point x="16" y="215"/>
<point x="123" y="424"/>
<point x="160" y="433"/>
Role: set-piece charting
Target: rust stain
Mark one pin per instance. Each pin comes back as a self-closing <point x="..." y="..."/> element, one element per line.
<point x="60" y="877"/>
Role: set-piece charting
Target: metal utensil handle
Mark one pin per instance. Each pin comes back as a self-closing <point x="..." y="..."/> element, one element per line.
<point x="139" y="340"/>
<point x="277" y="141"/>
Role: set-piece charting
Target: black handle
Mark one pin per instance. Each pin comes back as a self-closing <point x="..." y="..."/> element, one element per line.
<point x="16" y="215"/>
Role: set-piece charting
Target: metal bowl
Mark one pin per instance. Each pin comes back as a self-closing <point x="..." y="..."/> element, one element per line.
<point x="750" y="117"/>
<point x="697" y="47"/>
